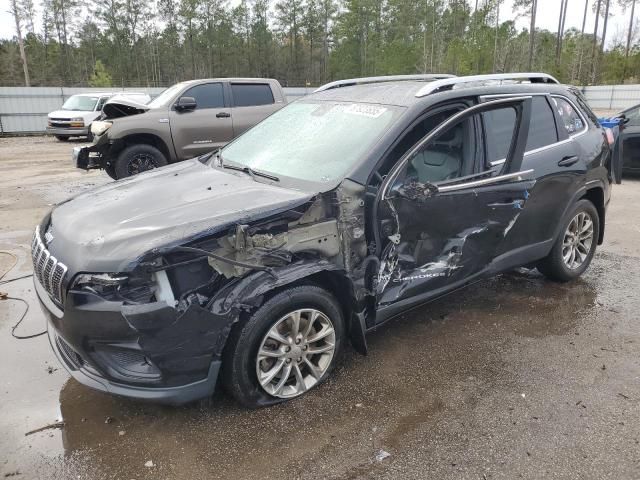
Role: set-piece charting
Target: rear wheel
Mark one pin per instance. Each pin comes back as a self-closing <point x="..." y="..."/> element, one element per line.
<point x="574" y="249"/>
<point x="138" y="158"/>
<point x="288" y="346"/>
<point x="62" y="138"/>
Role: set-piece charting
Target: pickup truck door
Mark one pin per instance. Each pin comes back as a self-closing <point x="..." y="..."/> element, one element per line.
<point x="252" y="103"/>
<point x="206" y="127"/>
<point x="446" y="222"/>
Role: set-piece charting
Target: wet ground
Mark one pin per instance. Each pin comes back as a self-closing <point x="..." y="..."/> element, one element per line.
<point x="515" y="377"/>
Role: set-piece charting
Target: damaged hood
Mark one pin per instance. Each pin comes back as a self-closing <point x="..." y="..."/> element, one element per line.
<point x="107" y="229"/>
<point x="123" y="107"/>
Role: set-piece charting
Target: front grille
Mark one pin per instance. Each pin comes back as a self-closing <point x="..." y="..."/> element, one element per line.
<point x="47" y="269"/>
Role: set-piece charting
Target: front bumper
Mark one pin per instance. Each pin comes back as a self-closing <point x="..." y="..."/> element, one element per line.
<point x="86" y="158"/>
<point x="93" y="341"/>
<point x="68" y="131"/>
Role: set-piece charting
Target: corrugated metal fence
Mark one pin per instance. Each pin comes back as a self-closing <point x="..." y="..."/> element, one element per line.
<point x="25" y="109"/>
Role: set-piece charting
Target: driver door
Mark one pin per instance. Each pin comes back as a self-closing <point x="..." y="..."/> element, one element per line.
<point x="446" y="212"/>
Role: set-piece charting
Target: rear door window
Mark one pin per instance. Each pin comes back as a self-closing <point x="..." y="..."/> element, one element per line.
<point x="208" y="95"/>
<point x="499" y="125"/>
<point x="542" y="129"/>
<point x="251" y="94"/>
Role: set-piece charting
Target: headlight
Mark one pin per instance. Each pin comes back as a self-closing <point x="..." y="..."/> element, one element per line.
<point x="99" y="127"/>
<point x="102" y="279"/>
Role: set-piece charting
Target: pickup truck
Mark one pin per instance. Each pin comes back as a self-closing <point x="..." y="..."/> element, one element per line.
<point x="187" y="120"/>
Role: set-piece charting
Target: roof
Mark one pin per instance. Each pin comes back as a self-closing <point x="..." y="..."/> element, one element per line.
<point x="409" y="92"/>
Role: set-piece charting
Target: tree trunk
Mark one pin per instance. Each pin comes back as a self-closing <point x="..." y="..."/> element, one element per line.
<point x="561" y="22"/>
<point x="604" y="27"/>
<point x="532" y="33"/>
<point x="629" y="35"/>
<point x="23" y="54"/>
<point x="594" y="50"/>
<point x="578" y="75"/>
<point x="495" y="39"/>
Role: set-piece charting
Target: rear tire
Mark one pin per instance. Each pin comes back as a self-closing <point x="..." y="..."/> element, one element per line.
<point x="62" y="138"/>
<point x="575" y="247"/>
<point x="137" y="159"/>
<point x="300" y="366"/>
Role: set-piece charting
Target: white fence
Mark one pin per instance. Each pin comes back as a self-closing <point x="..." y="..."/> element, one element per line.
<point x="25" y="109"/>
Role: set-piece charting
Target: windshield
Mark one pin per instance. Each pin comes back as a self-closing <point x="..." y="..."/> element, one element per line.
<point x="312" y="141"/>
<point x="165" y="97"/>
<point x="80" y="103"/>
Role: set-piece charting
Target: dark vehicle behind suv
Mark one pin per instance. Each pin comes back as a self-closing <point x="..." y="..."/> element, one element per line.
<point x="342" y="210"/>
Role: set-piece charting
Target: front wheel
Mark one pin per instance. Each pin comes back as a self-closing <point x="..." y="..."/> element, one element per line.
<point x="62" y="138"/>
<point x="137" y="159"/>
<point x="287" y="347"/>
<point x="574" y="249"/>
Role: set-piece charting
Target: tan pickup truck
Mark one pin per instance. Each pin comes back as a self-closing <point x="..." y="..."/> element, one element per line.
<point x="186" y="120"/>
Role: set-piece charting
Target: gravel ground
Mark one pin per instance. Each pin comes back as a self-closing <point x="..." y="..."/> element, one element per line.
<point x="515" y="377"/>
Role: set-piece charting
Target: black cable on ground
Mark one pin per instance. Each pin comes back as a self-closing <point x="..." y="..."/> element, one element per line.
<point x="4" y="296"/>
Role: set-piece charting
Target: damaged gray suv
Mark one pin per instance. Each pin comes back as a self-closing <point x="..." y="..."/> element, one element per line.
<point x="254" y="265"/>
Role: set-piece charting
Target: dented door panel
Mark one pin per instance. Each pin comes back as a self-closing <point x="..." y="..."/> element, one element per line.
<point x="447" y="237"/>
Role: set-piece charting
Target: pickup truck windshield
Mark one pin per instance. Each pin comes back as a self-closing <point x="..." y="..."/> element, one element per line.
<point x="80" y="103"/>
<point x="312" y="141"/>
<point x="165" y="97"/>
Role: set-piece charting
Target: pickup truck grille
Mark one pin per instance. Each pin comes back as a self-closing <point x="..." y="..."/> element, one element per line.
<point x="47" y="269"/>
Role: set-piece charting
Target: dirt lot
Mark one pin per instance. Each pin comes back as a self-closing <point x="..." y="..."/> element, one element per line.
<point x="515" y="377"/>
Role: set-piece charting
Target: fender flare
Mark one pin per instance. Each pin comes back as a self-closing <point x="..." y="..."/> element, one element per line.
<point x="580" y="193"/>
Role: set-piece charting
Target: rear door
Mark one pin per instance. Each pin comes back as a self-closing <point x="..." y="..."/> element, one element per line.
<point x="558" y="162"/>
<point x="252" y="103"/>
<point x="441" y="221"/>
<point x="205" y="128"/>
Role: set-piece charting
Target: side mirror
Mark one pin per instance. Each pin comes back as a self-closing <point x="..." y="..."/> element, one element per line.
<point x="186" y="103"/>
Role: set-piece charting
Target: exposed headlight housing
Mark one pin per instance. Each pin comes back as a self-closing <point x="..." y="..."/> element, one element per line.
<point x="102" y="279"/>
<point x="99" y="127"/>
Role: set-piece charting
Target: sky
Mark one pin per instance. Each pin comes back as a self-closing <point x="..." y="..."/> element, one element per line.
<point x="546" y="18"/>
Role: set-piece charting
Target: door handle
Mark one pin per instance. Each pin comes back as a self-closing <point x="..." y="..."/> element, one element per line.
<point x="223" y="115"/>
<point x="568" y="161"/>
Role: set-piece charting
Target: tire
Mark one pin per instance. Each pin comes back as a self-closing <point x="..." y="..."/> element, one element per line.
<point x="138" y="158"/>
<point x="62" y="138"/>
<point x="555" y="265"/>
<point x="111" y="171"/>
<point x="89" y="135"/>
<point x="240" y="365"/>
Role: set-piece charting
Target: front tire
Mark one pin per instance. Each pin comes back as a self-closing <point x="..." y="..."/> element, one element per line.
<point x="575" y="247"/>
<point x="62" y="138"/>
<point x="137" y="159"/>
<point x="288" y="346"/>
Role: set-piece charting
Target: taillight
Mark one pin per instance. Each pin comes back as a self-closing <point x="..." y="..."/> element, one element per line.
<point x="610" y="136"/>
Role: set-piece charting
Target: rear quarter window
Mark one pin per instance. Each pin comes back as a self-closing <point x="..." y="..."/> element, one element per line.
<point x="569" y="116"/>
<point x="251" y="94"/>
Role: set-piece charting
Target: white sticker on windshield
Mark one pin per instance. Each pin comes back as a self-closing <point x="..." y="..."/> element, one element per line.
<point x="371" y="111"/>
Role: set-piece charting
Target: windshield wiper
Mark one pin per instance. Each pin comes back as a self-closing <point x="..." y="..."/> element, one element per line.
<point x="250" y="171"/>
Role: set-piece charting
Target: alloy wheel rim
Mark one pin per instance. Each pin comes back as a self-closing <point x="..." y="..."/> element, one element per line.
<point x="141" y="162"/>
<point x="295" y="353"/>
<point x="578" y="240"/>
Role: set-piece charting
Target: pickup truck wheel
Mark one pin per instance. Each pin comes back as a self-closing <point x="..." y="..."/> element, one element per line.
<point x="62" y="138"/>
<point x="575" y="247"/>
<point x="288" y="346"/>
<point x="138" y="158"/>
